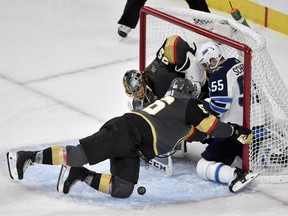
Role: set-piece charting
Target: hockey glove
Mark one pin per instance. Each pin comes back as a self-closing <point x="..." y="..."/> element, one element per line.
<point x="207" y="139"/>
<point x="242" y="134"/>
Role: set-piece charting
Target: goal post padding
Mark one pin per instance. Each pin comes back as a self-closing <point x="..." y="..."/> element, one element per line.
<point x="265" y="95"/>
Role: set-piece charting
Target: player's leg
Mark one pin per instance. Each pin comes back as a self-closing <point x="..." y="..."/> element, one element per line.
<point x="236" y="178"/>
<point x="222" y="150"/>
<point x="215" y="165"/>
<point x="120" y="183"/>
<point x="115" y="138"/>
<point x="69" y="176"/>
<point x="200" y="5"/>
<point x="215" y="171"/>
<point x="125" y="173"/>
<point x="113" y="141"/>
<point x="130" y="16"/>
<point x="216" y="161"/>
<point x="56" y="155"/>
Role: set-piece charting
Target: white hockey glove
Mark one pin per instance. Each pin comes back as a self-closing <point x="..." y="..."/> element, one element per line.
<point x="193" y="71"/>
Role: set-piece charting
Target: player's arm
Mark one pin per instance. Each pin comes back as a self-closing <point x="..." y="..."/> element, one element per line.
<point x="208" y="106"/>
<point x="202" y="120"/>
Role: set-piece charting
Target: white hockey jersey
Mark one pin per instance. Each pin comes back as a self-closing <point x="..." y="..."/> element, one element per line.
<point x="195" y="72"/>
<point x="226" y="91"/>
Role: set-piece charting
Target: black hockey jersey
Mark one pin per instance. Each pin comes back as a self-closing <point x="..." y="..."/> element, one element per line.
<point x="170" y="120"/>
<point x="159" y="77"/>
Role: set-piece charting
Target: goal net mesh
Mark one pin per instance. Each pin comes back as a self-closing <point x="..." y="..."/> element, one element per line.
<point x="268" y="108"/>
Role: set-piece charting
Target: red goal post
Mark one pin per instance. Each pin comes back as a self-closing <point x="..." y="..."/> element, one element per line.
<point x="198" y="27"/>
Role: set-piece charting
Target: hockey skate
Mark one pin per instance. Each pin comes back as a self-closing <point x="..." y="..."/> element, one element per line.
<point x="75" y="174"/>
<point x="123" y="30"/>
<point x="242" y="179"/>
<point x="19" y="162"/>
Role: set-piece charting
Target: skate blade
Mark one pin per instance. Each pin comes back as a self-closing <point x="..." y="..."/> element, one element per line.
<point x="241" y="184"/>
<point x="60" y="183"/>
<point x="11" y="161"/>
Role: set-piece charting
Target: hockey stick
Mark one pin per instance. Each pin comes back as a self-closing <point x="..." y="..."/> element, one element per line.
<point x="167" y="168"/>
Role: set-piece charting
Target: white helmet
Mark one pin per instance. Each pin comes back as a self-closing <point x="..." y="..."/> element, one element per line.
<point x="208" y="51"/>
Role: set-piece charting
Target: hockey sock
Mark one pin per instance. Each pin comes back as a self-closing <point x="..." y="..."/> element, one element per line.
<point x="215" y="171"/>
<point x="55" y="155"/>
<point x="100" y="182"/>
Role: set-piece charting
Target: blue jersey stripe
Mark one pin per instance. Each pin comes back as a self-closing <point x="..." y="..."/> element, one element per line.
<point x="217" y="179"/>
<point x="217" y="108"/>
<point x="222" y="99"/>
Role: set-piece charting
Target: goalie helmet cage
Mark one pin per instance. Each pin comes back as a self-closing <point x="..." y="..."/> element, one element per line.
<point x="265" y="107"/>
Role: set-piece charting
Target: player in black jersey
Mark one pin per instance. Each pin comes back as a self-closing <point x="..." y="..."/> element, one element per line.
<point x="175" y="58"/>
<point x="151" y="131"/>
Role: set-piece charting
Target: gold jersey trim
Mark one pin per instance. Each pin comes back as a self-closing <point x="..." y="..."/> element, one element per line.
<point x="207" y="124"/>
<point x="153" y="132"/>
<point x="170" y="49"/>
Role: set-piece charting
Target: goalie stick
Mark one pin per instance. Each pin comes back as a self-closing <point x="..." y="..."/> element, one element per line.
<point x="178" y="151"/>
<point x="167" y="168"/>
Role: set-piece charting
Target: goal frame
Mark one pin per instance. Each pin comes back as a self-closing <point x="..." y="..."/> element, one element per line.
<point x="148" y="11"/>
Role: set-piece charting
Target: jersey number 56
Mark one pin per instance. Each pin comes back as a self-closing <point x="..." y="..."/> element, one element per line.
<point x="158" y="105"/>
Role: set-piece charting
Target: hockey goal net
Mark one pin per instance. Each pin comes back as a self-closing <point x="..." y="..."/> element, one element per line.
<point x="265" y="95"/>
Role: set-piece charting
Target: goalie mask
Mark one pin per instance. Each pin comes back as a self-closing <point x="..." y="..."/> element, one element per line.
<point x="134" y="84"/>
<point x="208" y="51"/>
<point x="184" y="86"/>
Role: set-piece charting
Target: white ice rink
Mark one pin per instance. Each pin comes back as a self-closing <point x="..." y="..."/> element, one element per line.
<point x="61" y="68"/>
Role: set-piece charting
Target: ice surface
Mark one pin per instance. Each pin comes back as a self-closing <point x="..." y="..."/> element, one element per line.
<point x="61" y="67"/>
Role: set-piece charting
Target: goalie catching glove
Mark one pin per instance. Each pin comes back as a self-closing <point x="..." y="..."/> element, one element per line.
<point x="242" y="134"/>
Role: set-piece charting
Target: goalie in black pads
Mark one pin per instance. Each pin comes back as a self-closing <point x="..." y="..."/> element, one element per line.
<point x="175" y="58"/>
<point x="151" y="131"/>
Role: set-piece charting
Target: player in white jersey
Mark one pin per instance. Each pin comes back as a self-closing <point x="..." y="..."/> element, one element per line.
<point x="225" y="101"/>
<point x="225" y="83"/>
